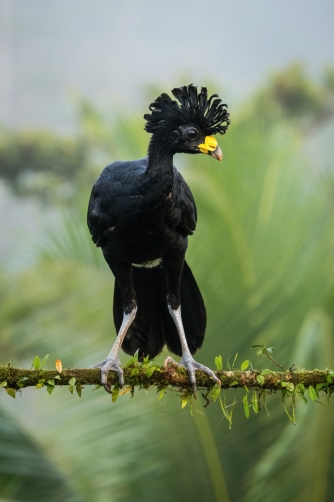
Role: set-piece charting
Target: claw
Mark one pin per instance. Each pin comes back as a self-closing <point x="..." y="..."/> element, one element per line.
<point x="98" y="365"/>
<point x="191" y="365"/>
<point x="170" y="360"/>
<point x="107" y="365"/>
<point x="120" y="378"/>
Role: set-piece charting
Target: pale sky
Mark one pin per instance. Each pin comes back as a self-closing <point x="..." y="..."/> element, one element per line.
<point x="110" y="49"/>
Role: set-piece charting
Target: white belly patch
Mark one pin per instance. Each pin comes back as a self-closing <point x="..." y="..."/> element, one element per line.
<point x="148" y="264"/>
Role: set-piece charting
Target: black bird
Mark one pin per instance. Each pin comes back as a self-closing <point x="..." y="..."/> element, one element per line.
<point x="140" y="213"/>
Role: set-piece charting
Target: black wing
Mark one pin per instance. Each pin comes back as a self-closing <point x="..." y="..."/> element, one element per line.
<point x="115" y="190"/>
<point x="182" y="214"/>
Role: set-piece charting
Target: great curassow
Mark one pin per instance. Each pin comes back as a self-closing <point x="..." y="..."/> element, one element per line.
<point x="140" y="213"/>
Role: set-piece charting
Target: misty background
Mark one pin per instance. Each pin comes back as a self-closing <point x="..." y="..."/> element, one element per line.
<point x="110" y="51"/>
<point x="75" y="81"/>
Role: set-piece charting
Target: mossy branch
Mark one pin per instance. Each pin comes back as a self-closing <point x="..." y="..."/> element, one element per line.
<point x="142" y="376"/>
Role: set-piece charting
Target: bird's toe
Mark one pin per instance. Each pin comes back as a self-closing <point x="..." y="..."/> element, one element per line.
<point x="192" y="378"/>
<point x="208" y="371"/>
<point x="120" y="375"/>
<point x="107" y="387"/>
<point x="110" y="364"/>
<point x="98" y="365"/>
<point x="191" y="365"/>
<point x="170" y="360"/>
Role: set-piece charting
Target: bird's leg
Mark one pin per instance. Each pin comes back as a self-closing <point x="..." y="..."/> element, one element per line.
<point x="112" y="362"/>
<point x="173" y="270"/>
<point x="187" y="360"/>
<point x="122" y="273"/>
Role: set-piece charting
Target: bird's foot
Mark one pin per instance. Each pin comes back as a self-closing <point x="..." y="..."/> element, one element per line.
<point x="191" y="365"/>
<point x="111" y="363"/>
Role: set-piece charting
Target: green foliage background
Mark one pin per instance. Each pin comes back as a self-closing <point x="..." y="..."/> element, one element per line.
<point x="262" y="255"/>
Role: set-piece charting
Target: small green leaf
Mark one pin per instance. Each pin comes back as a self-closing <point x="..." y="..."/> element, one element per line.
<point x="265" y="372"/>
<point x="265" y="405"/>
<point x="260" y="379"/>
<point x="146" y="360"/>
<point x="45" y="358"/>
<point x="235" y="382"/>
<point x="330" y="378"/>
<point x="50" y="389"/>
<point x="255" y="403"/>
<point x="51" y="382"/>
<point x="157" y="368"/>
<point x="78" y="389"/>
<point x="260" y="352"/>
<point x="332" y="373"/>
<point x="284" y="384"/>
<point x="161" y="394"/>
<point x="235" y="358"/>
<point x="244" y="365"/>
<point x="290" y="386"/>
<point x="132" y="360"/>
<point x="3" y="384"/>
<point x="41" y="380"/>
<point x="231" y="412"/>
<point x="71" y="388"/>
<point x="36" y="364"/>
<point x="11" y="392"/>
<point x="219" y="363"/>
<point x="246" y="407"/>
<point x="114" y="393"/>
<point x="288" y="414"/>
<point x="227" y="415"/>
<point x="214" y="392"/>
<point x="135" y="371"/>
<point x="149" y="372"/>
<point x="57" y="377"/>
<point x="71" y="381"/>
<point x="185" y="400"/>
<point x="312" y="393"/>
<point x="271" y="350"/>
<point x="303" y="397"/>
<point x="39" y="385"/>
<point x="23" y="379"/>
<point x="300" y="389"/>
<point x="97" y="386"/>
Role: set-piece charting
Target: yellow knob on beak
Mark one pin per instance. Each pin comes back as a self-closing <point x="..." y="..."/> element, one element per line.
<point x="211" y="147"/>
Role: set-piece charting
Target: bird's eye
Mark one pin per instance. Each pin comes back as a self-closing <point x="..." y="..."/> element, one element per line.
<point x="191" y="133"/>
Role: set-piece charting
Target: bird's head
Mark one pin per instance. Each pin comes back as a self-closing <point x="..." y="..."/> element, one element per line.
<point x="188" y="125"/>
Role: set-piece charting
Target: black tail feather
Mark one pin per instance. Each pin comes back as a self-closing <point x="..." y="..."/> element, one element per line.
<point x="153" y="326"/>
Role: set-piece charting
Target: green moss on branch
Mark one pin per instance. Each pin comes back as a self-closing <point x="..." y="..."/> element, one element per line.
<point x="138" y="376"/>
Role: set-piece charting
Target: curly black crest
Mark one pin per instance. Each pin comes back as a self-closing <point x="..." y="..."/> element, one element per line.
<point x="209" y="114"/>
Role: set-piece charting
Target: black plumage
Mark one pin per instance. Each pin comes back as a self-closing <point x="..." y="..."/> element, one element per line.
<point x="141" y="213"/>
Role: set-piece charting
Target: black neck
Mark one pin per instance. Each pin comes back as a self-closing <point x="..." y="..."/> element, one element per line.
<point x="160" y="163"/>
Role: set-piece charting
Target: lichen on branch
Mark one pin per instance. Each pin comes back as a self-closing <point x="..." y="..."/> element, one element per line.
<point x="143" y="376"/>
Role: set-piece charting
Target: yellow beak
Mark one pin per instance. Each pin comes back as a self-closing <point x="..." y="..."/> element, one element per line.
<point x="211" y="147"/>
